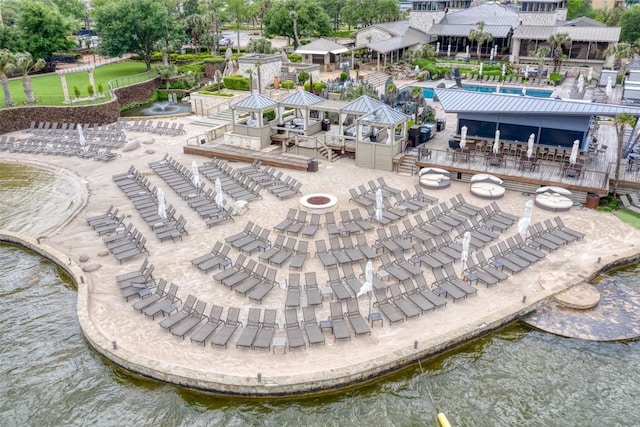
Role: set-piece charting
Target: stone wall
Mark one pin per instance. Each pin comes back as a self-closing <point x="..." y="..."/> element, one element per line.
<point x="424" y="20"/>
<point x="371" y="35"/>
<point x="538" y="18"/>
<point x="14" y="119"/>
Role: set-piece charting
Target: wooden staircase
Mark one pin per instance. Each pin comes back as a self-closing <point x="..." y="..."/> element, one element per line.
<point x="407" y="165"/>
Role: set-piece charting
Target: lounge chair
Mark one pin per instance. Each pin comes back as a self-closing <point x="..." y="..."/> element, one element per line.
<point x="255" y="277"/>
<point x="327" y="259"/>
<point x="560" y="225"/>
<point x="222" y="337"/>
<point x="339" y="326"/>
<point x="258" y="293"/>
<point x="214" y="321"/>
<point x="412" y="294"/>
<point x="268" y="329"/>
<point x="314" y="224"/>
<point x="311" y="327"/>
<point x="159" y="293"/>
<point x="390" y="311"/>
<point x="335" y="282"/>
<point x="357" y="322"/>
<point x="250" y="331"/>
<point x="311" y="290"/>
<point x="181" y="314"/>
<point x="292" y="329"/>
<point x="404" y="304"/>
<point x="293" y="291"/>
<point x="191" y="321"/>
<point x="423" y="289"/>
<point x="282" y="225"/>
<point x="165" y="305"/>
<point x="301" y="255"/>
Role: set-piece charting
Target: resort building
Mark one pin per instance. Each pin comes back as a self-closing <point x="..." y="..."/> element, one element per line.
<point x="517" y="30"/>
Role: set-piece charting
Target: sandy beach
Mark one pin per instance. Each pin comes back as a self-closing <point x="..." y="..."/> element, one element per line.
<point x="140" y="344"/>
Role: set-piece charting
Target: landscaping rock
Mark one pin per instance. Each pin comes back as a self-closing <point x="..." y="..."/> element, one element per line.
<point x="91" y="267"/>
<point x="130" y="146"/>
<point x="84" y="258"/>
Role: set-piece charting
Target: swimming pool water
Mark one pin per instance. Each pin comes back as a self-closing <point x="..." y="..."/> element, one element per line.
<point x="428" y="92"/>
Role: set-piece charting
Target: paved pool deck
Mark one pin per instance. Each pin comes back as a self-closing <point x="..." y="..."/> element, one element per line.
<point x="140" y="345"/>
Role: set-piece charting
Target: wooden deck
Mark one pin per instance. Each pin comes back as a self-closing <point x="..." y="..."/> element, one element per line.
<point x="238" y="154"/>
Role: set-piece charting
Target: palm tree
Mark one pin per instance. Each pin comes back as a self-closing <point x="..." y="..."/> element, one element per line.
<point x="6" y="66"/>
<point x="540" y="54"/>
<point x="218" y="76"/>
<point x="479" y="36"/>
<point x="621" y="121"/>
<point x="357" y="90"/>
<point x="620" y="51"/>
<point x="558" y="42"/>
<point x="26" y="64"/>
<point x="198" y="25"/>
<point x="166" y="71"/>
<point x="260" y="46"/>
<point x="390" y="93"/>
<point x="294" y="20"/>
<point x="416" y="95"/>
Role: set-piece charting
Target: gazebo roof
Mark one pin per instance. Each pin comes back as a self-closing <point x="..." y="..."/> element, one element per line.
<point x="301" y="98"/>
<point x="363" y="105"/>
<point x="384" y="116"/>
<point x="321" y="47"/>
<point x="254" y="102"/>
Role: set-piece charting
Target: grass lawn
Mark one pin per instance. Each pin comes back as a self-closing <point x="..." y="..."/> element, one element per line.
<point x="628" y="217"/>
<point x="47" y="88"/>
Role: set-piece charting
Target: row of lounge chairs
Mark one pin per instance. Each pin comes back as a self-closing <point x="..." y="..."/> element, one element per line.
<point x="90" y="131"/>
<point x="631" y="203"/>
<point x="124" y="242"/>
<point x="280" y="252"/>
<point x="237" y="186"/>
<point x="218" y="257"/>
<point x="145" y="199"/>
<point x="59" y="148"/>
<point x="156" y="127"/>
<point x="248" y="278"/>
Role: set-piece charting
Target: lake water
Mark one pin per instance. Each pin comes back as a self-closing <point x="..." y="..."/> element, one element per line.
<point x="514" y="377"/>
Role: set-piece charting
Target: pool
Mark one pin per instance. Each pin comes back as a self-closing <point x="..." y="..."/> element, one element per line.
<point x="428" y="92"/>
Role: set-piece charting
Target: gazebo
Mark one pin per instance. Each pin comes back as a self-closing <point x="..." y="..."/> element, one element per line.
<point x="379" y="148"/>
<point x="300" y="119"/>
<point x="358" y="108"/>
<point x="324" y="52"/>
<point x="247" y="116"/>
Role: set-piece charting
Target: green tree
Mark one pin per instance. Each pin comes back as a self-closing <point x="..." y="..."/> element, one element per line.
<point x="238" y="11"/>
<point x="258" y="9"/>
<point x="191" y="7"/>
<point x="25" y="63"/>
<point x="630" y="24"/>
<point x="622" y="121"/>
<point x="418" y="99"/>
<point x="311" y="20"/>
<point x="578" y="8"/>
<point x="44" y="30"/>
<point x="131" y="26"/>
<point x="260" y="46"/>
<point x="558" y="42"/>
<point x="197" y="25"/>
<point x="621" y="52"/>
<point x="541" y="54"/>
<point x="166" y="72"/>
<point x="294" y="22"/>
<point x="357" y="90"/>
<point x="332" y="8"/>
<point x="10" y="38"/>
<point x="425" y="51"/>
<point x="7" y="65"/>
<point x="480" y="36"/>
<point x="369" y="12"/>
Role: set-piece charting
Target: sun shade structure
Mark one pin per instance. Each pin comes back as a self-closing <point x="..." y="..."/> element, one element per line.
<point x="321" y="47"/>
<point x="384" y="142"/>
<point x="301" y="102"/>
<point x="252" y="123"/>
<point x="358" y="108"/>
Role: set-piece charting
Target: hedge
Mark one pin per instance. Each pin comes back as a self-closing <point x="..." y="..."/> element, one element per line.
<point x="287" y="84"/>
<point x="236" y="83"/>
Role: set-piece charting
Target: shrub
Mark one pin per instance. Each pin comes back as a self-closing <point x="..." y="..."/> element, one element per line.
<point x="317" y="86"/>
<point x="344" y="76"/>
<point x="90" y="90"/>
<point x="100" y="88"/>
<point x="236" y="82"/>
<point x="294" y="57"/>
<point x="287" y="84"/>
<point x="215" y="60"/>
<point x="269" y="115"/>
<point x="303" y="77"/>
<point x="304" y="42"/>
<point x="194" y="68"/>
<point x="76" y="91"/>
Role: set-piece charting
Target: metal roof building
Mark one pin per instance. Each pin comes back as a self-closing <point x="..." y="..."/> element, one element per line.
<point x="555" y="122"/>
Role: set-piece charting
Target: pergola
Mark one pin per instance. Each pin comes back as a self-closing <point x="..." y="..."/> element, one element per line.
<point x="302" y="102"/>
<point x="385" y="119"/>
<point x="358" y="107"/>
<point x="255" y="104"/>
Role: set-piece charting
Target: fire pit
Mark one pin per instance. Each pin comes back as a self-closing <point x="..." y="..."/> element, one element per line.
<point x="318" y="203"/>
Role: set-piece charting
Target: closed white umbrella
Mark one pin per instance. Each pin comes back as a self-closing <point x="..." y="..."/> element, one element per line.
<point x="524" y="90"/>
<point x="525" y="221"/>
<point x="464" y="254"/>
<point x="590" y="74"/>
<point x="83" y="141"/>
<point x="379" y="204"/>
<point x="162" y="206"/>
<point x="367" y="287"/>
<point x="496" y="143"/>
<point x="463" y="137"/>
<point x="574" y="152"/>
<point x="480" y="71"/>
<point x="196" y="174"/>
<point x="449" y="50"/>
<point x="526" y="72"/>
<point x="219" y="199"/>
<point x="532" y="140"/>
<point x="608" y="89"/>
<point x="580" y="83"/>
<point x="467" y="51"/>
<point x="504" y="69"/>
